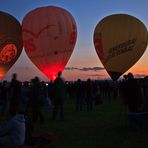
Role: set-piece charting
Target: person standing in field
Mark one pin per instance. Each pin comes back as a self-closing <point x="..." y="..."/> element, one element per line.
<point x="59" y="93"/>
<point x="135" y="102"/>
<point x="79" y="95"/>
<point x="3" y="98"/>
<point x="134" y="95"/>
<point x="14" y="94"/>
<point x="89" y="95"/>
<point x="36" y="100"/>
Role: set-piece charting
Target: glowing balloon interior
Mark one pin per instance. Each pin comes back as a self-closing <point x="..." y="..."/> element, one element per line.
<point x="49" y="36"/>
<point x="120" y="40"/>
<point x="10" y="42"/>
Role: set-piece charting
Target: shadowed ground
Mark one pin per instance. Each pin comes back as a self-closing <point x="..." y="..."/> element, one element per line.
<point x="104" y="127"/>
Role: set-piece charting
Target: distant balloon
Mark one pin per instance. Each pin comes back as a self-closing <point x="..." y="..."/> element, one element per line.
<point x="49" y="35"/>
<point x="120" y="40"/>
<point x="10" y="42"/>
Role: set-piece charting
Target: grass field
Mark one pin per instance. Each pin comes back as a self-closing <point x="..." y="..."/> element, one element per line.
<point x="104" y="127"/>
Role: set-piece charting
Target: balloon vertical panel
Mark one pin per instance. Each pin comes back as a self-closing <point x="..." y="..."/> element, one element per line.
<point x="10" y="42"/>
<point x="120" y="40"/>
<point x="49" y="36"/>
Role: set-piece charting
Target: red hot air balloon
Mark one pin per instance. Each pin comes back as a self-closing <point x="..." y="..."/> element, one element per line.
<point x="49" y="36"/>
<point x="10" y="42"/>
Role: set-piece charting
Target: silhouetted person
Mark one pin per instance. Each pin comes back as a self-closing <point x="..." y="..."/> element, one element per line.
<point x="25" y="92"/>
<point x="58" y="97"/>
<point x="14" y="94"/>
<point x="123" y="89"/>
<point x="134" y="101"/>
<point x="145" y="88"/>
<point x="3" y="97"/>
<point x="115" y="89"/>
<point x="89" y="95"/>
<point x="50" y="90"/>
<point x="36" y="100"/>
<point x="97" y="98"/>
<point x="133" y="94"/>
<point x="79" y="95"/>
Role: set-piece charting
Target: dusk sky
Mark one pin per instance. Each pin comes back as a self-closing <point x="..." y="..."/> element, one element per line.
<point x="84" y="62"/>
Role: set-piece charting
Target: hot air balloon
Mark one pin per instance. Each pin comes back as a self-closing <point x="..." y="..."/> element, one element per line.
<point x="49" y="36"/>
<point x="10" y="42"/>
<point x="120" y="40"/>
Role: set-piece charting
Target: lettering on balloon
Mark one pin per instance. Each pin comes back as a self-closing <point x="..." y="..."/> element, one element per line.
<point x="120" y="49"/>
<point x="8" y="53"/>
<point x="29" y="45"/>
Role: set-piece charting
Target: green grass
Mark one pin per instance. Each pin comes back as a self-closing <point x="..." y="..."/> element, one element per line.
<point x="104" y="127"/>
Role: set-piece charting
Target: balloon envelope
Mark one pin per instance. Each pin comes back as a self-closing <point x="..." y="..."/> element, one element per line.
<point x="10" y="42"/>
<point x="120" y="40"/>
<point x="49" y="36"/>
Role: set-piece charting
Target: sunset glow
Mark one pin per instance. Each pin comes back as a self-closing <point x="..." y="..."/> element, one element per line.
<point x="84" y="62"/>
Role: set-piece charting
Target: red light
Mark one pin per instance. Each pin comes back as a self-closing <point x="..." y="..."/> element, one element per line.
<point x="52" y="72"/>
<point x="2" y="73"/>
<point x="1" y="77"/>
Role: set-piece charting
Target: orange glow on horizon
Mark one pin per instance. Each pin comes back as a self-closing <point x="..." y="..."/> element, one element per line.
<point x="139" y="69"/>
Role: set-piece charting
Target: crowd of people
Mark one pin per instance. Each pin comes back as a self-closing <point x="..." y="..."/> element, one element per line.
<point x="20" y="100"/>
<point x="135" y="98"/>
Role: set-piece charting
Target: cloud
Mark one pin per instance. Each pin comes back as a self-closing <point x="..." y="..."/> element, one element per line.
<point x="139" y="75"/>
<point x="71" y="68"/>
<point x="91" y="68"/>
<point x="85" y="68"/>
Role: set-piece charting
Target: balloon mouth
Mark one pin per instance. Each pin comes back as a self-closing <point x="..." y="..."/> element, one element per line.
<point x="114" y="75"/>
<point x="1" y="77"/>
<point x="52" y="77"/>
<point x="52" y="71"/>
<point x="2" y="73"/>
